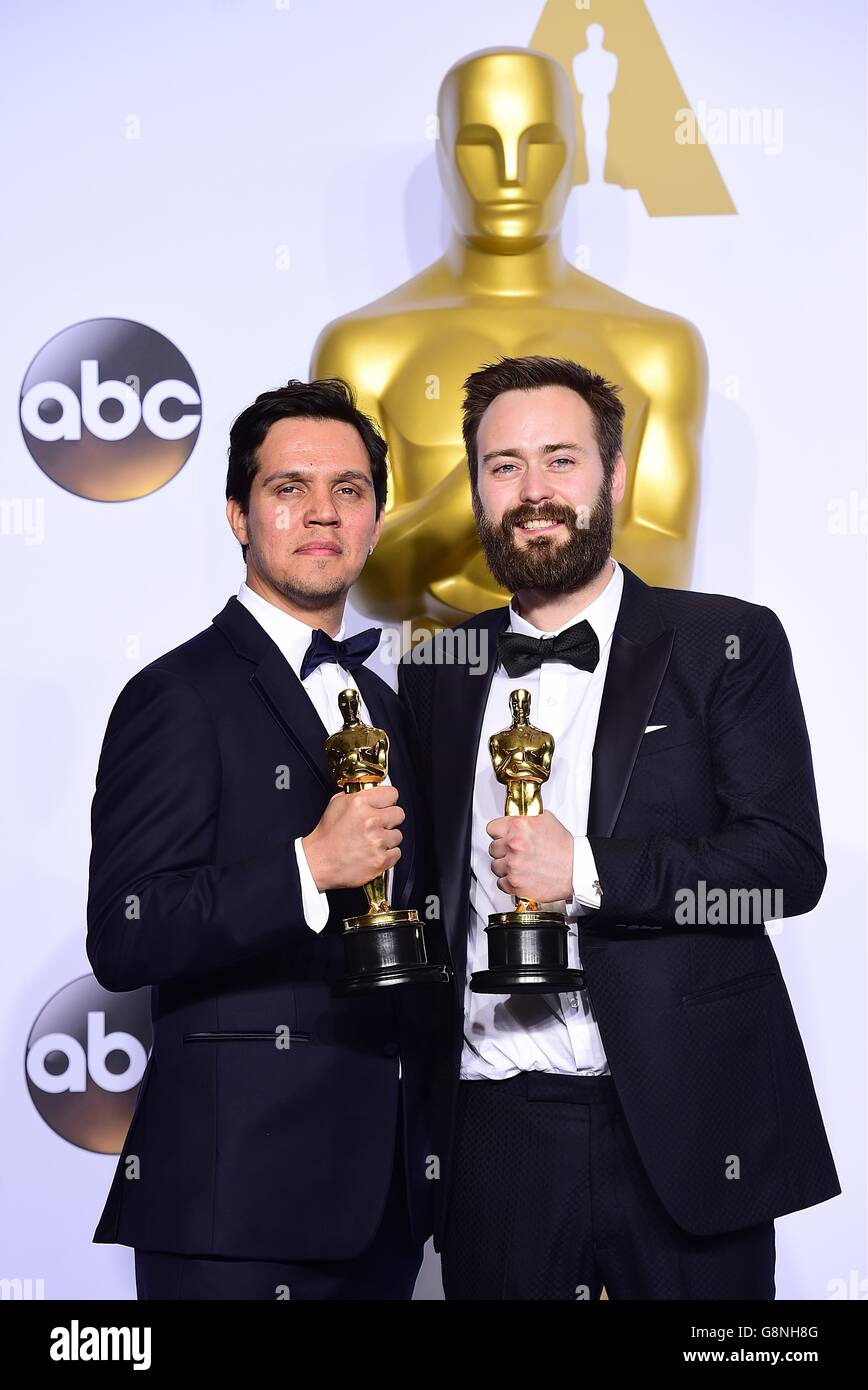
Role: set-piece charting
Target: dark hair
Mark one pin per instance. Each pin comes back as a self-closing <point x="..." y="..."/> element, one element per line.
<point x="329" y="399"/>
<point x="529" y="374"/>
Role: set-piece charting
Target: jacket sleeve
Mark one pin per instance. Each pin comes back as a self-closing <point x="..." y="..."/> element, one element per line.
<point x="159" y="908"/>
<point x="770" y="835"/>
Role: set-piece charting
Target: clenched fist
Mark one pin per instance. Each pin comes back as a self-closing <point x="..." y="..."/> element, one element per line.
<point x="357" y="838"/>
<point x="532" y="857"/>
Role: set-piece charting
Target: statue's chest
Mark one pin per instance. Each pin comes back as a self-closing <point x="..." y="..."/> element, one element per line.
<point x="421" y="402"/>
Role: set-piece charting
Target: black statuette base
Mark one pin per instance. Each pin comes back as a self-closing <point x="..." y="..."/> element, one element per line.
<point x="386" y="949"/>
<point x="527" y="954"/>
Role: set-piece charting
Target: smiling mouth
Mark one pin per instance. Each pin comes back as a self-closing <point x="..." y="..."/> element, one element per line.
<point x="537" y="528"/>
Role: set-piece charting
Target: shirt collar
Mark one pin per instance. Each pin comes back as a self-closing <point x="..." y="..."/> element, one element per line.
<point x="290" y="634"/>
<point x="601" y="612"/>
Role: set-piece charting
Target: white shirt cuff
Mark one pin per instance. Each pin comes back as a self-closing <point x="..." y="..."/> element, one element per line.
<point x="586" y="886"/>
<point x="314" y="903"/>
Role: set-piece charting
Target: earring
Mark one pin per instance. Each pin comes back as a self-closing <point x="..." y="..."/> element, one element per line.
<point x="370" y="550"/>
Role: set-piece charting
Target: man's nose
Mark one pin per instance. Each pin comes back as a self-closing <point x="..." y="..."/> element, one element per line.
<point x="321" y="510"/>
<point x="536" y="486"/>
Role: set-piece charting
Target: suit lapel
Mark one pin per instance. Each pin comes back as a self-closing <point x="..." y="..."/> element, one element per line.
<point x="277" y="686"/>
<point x="640" y="652"/>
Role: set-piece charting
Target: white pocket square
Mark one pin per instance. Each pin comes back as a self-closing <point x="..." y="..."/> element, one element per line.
<point x="652" y="728"/>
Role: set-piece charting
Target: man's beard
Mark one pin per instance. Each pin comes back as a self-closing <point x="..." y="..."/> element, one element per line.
<point x="302" y="594"/>
<point x="544" y="563"/>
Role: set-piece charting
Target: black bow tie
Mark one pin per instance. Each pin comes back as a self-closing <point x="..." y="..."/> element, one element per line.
<point x="577" y="644"/>
<point x="351" y="653"/>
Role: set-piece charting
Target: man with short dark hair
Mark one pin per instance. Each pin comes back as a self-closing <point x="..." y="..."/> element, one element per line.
<point x="643" y="1130"/>
<point x="274" y="1152"/>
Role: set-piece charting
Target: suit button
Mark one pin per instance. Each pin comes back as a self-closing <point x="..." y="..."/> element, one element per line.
<point x="391" y="1049"/>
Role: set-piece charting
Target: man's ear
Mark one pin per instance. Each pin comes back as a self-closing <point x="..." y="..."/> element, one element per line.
<point x="619" y="479"/>
<point x="237" y="518"/>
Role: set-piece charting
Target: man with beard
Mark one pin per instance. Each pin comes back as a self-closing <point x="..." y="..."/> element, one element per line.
<point x="643" y="1131"/>
<point x="281" y="1137"/>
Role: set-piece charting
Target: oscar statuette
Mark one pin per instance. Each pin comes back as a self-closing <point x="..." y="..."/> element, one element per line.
<point x="384" y="945"/>
<point x="527" y="948"/>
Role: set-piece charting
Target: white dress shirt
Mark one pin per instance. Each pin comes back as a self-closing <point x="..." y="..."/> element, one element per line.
<point x="506" y="1034"/>
<point x="323" y="686"/>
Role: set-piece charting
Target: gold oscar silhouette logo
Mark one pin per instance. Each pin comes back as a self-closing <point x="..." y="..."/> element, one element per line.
<point x="630" y="108"/>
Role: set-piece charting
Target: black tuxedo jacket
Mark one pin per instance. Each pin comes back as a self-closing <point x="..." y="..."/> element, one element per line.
<point x="696" y="1022"/>
<point x="244" y="1148"/>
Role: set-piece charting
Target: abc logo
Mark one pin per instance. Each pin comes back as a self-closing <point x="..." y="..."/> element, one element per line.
<point x="110" y="409"/>
<point x="86" y="1055"/>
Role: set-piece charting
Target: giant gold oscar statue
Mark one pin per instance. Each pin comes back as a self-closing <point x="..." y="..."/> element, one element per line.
<point x="505" y="153"/>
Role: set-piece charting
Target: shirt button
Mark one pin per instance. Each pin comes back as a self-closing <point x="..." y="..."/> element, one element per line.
<point x="574" y="1003"/>
<point x="551" y="700"/>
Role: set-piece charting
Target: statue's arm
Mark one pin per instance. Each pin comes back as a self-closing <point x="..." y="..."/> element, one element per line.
<point x="536" y="757"/>
<point x="657" y="539"/>
<point x="381" y="753"/>
<point x="421" y="540"/>
<point x="498" y="757"/>
<point x="340" y="351"/>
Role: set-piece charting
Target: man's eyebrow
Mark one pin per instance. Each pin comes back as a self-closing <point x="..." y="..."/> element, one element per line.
<point x="547" y="449"/>
<point x="553" y="448"/>
<point x="503" y="454"/>
<point x="295" y="475"/>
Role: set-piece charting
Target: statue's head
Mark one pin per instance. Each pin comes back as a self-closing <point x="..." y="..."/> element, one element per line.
<point x="348" y="704"/>
<point x="505" y="153"/>
<point x="519" y="703"/>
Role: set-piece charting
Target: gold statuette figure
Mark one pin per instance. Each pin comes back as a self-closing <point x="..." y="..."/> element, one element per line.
<point x="527" y="948"/>
<point x="385" y="945"/>
<point x="522" y="758"/>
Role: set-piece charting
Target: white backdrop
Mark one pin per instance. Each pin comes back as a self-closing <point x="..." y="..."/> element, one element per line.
<point x="270" y="127"/>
